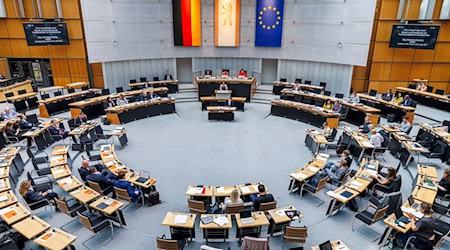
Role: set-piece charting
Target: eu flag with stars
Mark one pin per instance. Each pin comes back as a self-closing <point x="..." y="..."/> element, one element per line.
<point x="269" y="23"/>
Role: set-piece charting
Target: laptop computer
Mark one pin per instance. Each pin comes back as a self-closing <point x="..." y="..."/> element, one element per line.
<point x="412" y="203"/>
<point x="400" y="217"/>
<point x="246" y="216"/>
<point x="326" y="246"/>
<point x="143" y="176"/>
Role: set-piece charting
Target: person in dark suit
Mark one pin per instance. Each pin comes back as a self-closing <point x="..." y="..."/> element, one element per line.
<point x="32" y="196"/>
<point x="24" y="124"/>
<point x="110" y="103"/>
<point x="105" y="179"/>
<point x="407" y="101"/>
<point x="208" y="72"/>
<point x="168" y="76"/>
<point x="84" y="170"/>
<point x="388" y="96"/>
<point x="262" y="198"/>
<point x="124" y="184"/>
<point x="55" y="130"/>
<point x="82" y="118"/>
<point x="229" y="103"/>
<point x="150" y="95"/>
<point x="10" y="131"/>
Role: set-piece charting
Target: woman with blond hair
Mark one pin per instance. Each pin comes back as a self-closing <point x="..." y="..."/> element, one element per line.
<point x="32" y="196"/>
<point x="234" y="199"/>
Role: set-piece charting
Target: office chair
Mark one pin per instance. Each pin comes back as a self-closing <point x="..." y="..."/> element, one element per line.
<point x="373" y="92"/>
<point x="10" y="94"/>
<point x="133" y="81"/>
<point x="84" y="88"/>
<point x="119" y="89"/>
<point x="298" y="80"/>
<point x="339" y="95"/>
<point x="96" y="224"/>
<point x="70" y="91"/>
<point x="307" y="82"/>
<point x="45" y="96"/>
<point x="370" y="217"/>
<point x="323" y="84"/>
<point x="143" y="79"/>
<point x="294" y="235"/>
<point x="283" y="80"/>
<point x="440" y="91"/>
<point x="105" y="92"/>
<point x="175" y="244"/>
<point x="327" y="93"/>
<point x="430" y="89"/>
<point x="412" y="86"/>
<point x="155" y="78"/>
<point x="21" y="92"/>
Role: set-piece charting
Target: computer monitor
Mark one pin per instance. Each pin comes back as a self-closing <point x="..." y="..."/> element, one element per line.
<point x="326" y="246"/>
<point x="398" y="213"/>
<point x="245" y="213"/>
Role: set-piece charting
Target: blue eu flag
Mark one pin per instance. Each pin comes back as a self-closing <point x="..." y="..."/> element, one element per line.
<point x="269" y="23"/>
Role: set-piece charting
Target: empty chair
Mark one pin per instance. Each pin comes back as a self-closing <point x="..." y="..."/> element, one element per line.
<point x="33" y="119"/>
<point x="294" y="235"/>
<point x="373" y="92"/>
<point x="40" y="183"/>
<point x="71" y="91"/>
<point x="310" y="188"/>
<point x="327" y="93"/>
<point x="96" y="224"/>
<point x="96" y="187"/>
<point x="155" y="78"/>
<point x="101" y="134"/>
<point x="39" y="169"/>
<point x="440" y="91"/>
<point x="323" y="84"/>
<point x="119" y="89"/>
<point x="339" y="95"/>
<point x="412" y="86"/>
<point x="105" y="92"/>
<point x="283" y="80"/>
<point x="124" y="195"/>
<point x="133" y="81"/>
<point x="234" y="208"/>
<point x="307" y="82"/>
<point x="197" y="207"/>
<point x="436" y="151"/>
<point x="267" y="206"/>
<point x="21" y="92"/>
<point x="70" y="207"/>
<point x="298" y="80"/>
<point x="143" y="79"/>
<point x="84" y="88"/>
<point x="252" y="243"/>
<point x="370" y="217"/>
<point x="45" y="96"/>
<point x="430" y="89"/>
<point x="57" y="93"/>
<point x="164" y="244"/>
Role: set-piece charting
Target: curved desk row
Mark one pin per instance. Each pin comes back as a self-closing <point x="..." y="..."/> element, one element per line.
<point x="279" y="86"/>
<point x="242" y="87"/>
<point x="426" y="98"/>
<point x="387" y="108"/>
<point x="24" y="102"/>
<point x="171" y="85"/>
<point x="139" y="110"/>
<point x="57" y="104"/>
<point x="15" y="88"/>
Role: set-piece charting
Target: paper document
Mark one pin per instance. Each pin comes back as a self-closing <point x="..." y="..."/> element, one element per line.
<point x="371" y="172"/>
<point x="331" y="193"/>
<point x="412" y="211"/>
<point x="299" y="176"/>
<point x="322" y="159"/>
<point x="6" y="210"/>
<point x="255" y="187"/>
<point x="245" y="190"/>
<point x="324" y="155"/>
<point x="220" y="190"/>
<point x="195" y="190"/>
<point x="67" y="180"/>
<point x="313" y="169"/>
<point x="356" y="183"/>
<point x="281" y="212"/>
<point x="2" y="171"/>
<point x="221" y="220"/>
<point x="180" y="219"/>
<point x="58" y="171"/>
<point x="4" y="198"/>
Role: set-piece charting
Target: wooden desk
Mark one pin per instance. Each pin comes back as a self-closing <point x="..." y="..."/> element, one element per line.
<point x="60" y="150"/>
<point x="260" y="220"/>
<point x="194" y="191"/>
<point x="10" y="198"/>
<point x="305" y="173"/>
<point x="31" y="227"/>
<point x="400" y="136"/>
<point x="422" y="93"/>
<point x="424" y="194"/>
<point x="221" y="113"/>
<point x="134" y="179"/>
<point x="279" y="86"/>
<point x="420" y="183"/>
<point x="335" y="245"/>
<point x="113" y="205"/>
<point x="60" y="103"/>
<point x="387" y="108"/>
<point x="314" y="139"/>
<point x="61" y="171"/>
<point x="427" y="170"/>
<point x="14" y="213"/>
<point x="303" y="112"/>
<point x="427" y="98"/>
<point x="244" y="87"/>
<point x="172" y="85"/>
<point x="55" y="239"/>
<point x="279" y="216"/>
<point x="250" y="189"/>
<point x="223" y="191"/>
<point x="24" y="101"/>
<point x="77" y="85"/>
<point x="390" y="129"/>
<point x="70" y="183"/>
<point x="214" y="231"/>
<point x="139" y="110"/>
<point x="49" y="89"/>
<point x="58" y="160"/>
<point x="359" y="140"/>
<point x="5" y="185"/>
<point x="84" y="194"/>
<point x="238" y="102"/>
<point x="187" y="229"/>
<point x="4" y="172"/>
<point x="15" y="88"/>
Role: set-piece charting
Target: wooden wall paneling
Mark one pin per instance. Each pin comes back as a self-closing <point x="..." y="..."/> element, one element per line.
<point x="424" y="55"/>
<point x="359" y="72"/>
<point x="448" y="89"/>
<point x="442" y="52"/>
<point x="49" y="9"/>
<point x="79" y="79"/>
<point x="444" y="32"/>
<point x="384" y="30"/>
<point x="57" y="51"/>
<point x="74" y="29"/>
<point x="382" y="52"/>
<point x="10" y="11"/>
<point x="60" y="67"/>
<point x="96" y="69"/>
<point x="420" y="71"/>
<point x="30" y="9"/>
<point x="358" y="85"/>
<point x="5" y="48"/>
<point x="389" y="9"/>
<point x="403" y="55"/>
<point x="380" y="71"/>
<point x="98" y="82"/>
<point x="4" y="67"/>
<point x="61" y="80"/>
<point x="39" y="51"/>
<point x="400" y="71"/>
<point x="3" y="29"/>
<point x="437" y="9"/>
<point x="78" y="67"/>
<point x="76" y="49"/>
<point x="438" y="85"/>
<point x="15" y="28"/>
<point x="71" y="8"/>
<point x="414" y="8"/>
<point x="440" y="72"/>
<point x="20" y="48"/>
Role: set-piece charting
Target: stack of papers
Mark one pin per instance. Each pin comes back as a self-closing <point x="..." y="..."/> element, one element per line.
<point x="58" y="171"/>
<point x="245" y="190"/>
<point x="299" y="176"/>
<point x="195" y="190"/>
<point x="4" y="198"/>
<point x="312" y="169"/>
<point x="221" y="220"/>
<point x="255" y="187"/>
<point x="180" y="219"/>
<point x="371" y="172"/>
<point x="412" y="211"/>
<point x="281" y="212"/>
<point x="220" y="190"/>
<point x="2" y="171"/>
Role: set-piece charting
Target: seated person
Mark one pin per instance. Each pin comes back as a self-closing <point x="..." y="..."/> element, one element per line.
<point x="386" y="181"/>
<point x="122" y="183"/>
<point x="32" y="196"/>
<point x="121" y="100"/>
<point x="421" y="87"/>
<point x="10" y="131"/>
<point x="168" y="76"/>
<point x="376" y="139"/>
<point x="398" y="99"/>
<point x="326" y="130"/>
<point x="354" y="98"/>
<point x="370" y="126"/>
<point x="24" y="124"/>
<point x="364" y="128"/>
<point x="223" y="86"/>
<point x="262" y="198"/>
<point x="82" y="118"/>
<point x="242" y="73"/>
<point x="297" y="87"/>
<point x="105" y="179"/>
<point x="388" y="96"/>
<point x="2" y="77"/>
<point x="208" y="72"/>
<point x="225" y="73"/>
<point x="407" y="101"/>
<point x="422" y="229"/>
<point x="337" y="171"/>
<point x="444" y="184"/>
<point x="229" y="102"/>
<point x="337" y="107"/>
<point x="344" y="156"/>
<point x="405" y="126"/>
<point x="234" y="199"/>
<point x="149" y="95"/>
<point x="84" y="170"/>
<point x="9" y="114"/>
<point x="110" y="103"/>
<point x="55" y="130"/>
<point x="327" y="105"/>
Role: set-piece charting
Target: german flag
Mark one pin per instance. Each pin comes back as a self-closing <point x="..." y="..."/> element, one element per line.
<point x="186" y="22"/>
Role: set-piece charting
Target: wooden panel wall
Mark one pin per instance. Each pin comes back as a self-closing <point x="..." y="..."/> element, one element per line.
<point x="4" y="69"/>
<point x="97" y="75"/>
<point x="69" y="62"/>
<point x="388" y="67"/>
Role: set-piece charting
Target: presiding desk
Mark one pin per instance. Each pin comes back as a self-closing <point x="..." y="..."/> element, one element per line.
<point x="279" y="86"/>
<point x="241" y="87"/>
<point x="139" y="110"/>
<point x="53" y="105"/>
<point x="238" y="102"/>
<point x="305" y="113"/>
<point x="387" y="108"/>
<point x="220" y="113"/>
<point x="15" y="88"/>
<point x="171" y="85"/>
<point x="427" y="98"/>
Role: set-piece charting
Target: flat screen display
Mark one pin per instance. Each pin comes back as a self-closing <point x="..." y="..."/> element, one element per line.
<point x="414" y="36"/>
<point x="51" y="33"/>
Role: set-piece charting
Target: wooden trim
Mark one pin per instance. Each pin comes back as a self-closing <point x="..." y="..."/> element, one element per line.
<point x="43" y="111"/>
<point x="113" y="118"/>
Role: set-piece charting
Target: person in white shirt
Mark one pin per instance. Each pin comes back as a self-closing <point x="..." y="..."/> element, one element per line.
<point x="121" y="100"/>
<point x="405" y="125"/>
<point x="234" y="199"/>
<point x="354" y="98"/>
<point x="326" y="129"/>
<point x="376" y="139"/>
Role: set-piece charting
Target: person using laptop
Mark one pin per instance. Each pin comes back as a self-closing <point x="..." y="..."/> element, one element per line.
<point x="344" y="156"/>
<point x="405" y="125"/>
<point x="354" y="98"/>
<point x="234" y="199"/>
<point x="223" y="86"/>
<point x="124" y="184"/>
<point x="385" y="181"/>
<point x="444" y="184"/>
<point x="422" y="229"/>
<point x="263" y="197"/>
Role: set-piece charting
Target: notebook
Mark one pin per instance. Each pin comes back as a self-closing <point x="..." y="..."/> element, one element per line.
<point x="346" y="194"/>
<point x="207" y="220"/>
<point x="102" y="205"/>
